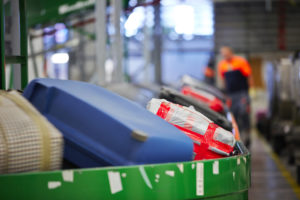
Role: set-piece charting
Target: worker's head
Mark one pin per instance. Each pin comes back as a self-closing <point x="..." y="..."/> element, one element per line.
<point x="226" y="52"/>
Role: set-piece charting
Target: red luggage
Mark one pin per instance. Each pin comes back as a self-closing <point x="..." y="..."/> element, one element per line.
<point x="213" y="102"/>
<point x="210" y="140"/>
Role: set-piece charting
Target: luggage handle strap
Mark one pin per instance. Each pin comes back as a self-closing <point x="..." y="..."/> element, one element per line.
<point x="139" y="135"/>
<point x="41" y="125"/>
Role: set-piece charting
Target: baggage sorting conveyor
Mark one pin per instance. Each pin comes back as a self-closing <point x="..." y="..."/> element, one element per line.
<point x="225" y="178"/>
<point x="293" y="136"/>
<point x="281" y="123"/>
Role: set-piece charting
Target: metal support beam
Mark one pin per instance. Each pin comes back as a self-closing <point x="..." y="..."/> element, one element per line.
<point x="32" y="51"/>
<point x="282" y="25"/>
<point x="100" y="24"/>
<point x="15" y="42"/>
<point x="157" y="44"/>
<point x="146" y="50"/>
<point x="2" y="50"/>
<point x="19" y="44"/>
<point x="117" y="44"/>
<point x="80" y="52"/>
<point x="23" y="43"/>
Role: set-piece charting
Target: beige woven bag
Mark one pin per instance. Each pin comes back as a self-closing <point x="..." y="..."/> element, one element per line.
<point x="28" y="142"/>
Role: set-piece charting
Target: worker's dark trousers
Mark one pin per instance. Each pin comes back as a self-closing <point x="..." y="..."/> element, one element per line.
<point x="240" y="108"/>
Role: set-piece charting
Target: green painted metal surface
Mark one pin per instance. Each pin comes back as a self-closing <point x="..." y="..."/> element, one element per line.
<point x="15" y="59"/>
<point x="43" y="12"/>
<point x="227" y="178"/>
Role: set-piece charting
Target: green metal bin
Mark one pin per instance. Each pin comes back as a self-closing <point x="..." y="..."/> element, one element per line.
<point x="227" y="178"/>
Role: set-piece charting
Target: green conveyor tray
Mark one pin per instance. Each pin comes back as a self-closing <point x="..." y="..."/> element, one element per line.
<point x="227" y="178"/>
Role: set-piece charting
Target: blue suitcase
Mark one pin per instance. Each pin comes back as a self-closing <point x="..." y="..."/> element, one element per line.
<point x="101" y="128"/>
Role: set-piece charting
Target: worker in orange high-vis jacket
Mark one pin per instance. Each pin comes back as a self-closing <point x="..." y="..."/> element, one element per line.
<point x="235" y="71"/>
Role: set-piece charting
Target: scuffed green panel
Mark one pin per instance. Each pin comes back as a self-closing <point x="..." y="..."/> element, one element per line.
<point x="41" y="12"/>
<point x="227" y="178"/>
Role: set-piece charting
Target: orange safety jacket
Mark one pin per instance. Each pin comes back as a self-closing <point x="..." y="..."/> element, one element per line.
<point x="235" y="72"/>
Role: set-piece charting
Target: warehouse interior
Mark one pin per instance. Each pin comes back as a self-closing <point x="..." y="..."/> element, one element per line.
<point x="150" y="99"/>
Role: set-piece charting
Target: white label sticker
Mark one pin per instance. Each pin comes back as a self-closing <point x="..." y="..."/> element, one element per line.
<point x="200" y="179"/>
<point x="180" y="166"/>
<point x="145" y="177"/>
<point x="54" y="184"/>
<point x="157" y="176"/>
<point x="238" y="161"/>
<point x="115" y="183"/>
<point x="68" y="176"/>
<point x="170" y="173"/>
<point x="216" y="167"/>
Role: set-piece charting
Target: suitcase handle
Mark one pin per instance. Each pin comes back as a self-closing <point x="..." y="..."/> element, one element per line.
<point x="139" y="135"/>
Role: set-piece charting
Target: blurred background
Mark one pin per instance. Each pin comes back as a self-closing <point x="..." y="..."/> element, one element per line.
<point x="156" y="42"/>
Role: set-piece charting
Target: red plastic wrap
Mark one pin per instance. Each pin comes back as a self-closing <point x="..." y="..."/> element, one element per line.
<point x="210" y="140"/>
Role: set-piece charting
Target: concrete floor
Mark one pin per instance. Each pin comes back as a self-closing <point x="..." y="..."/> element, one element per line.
<point x="267" y="180"/>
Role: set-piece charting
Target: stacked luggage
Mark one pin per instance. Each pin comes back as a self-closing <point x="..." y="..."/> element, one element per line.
<point x="281" y="123"/>
<point x="100" y="128"/>
<point x="293" y="139"/>
<point x="277" y="124"/>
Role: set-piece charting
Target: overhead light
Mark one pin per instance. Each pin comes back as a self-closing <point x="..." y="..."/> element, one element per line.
<point x="60" y="58"/>
<point x="184" y="23"/>
<point x="135" y="21"/>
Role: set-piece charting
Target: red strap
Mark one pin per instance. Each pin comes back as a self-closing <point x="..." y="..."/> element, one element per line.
<point x="163" y="110"/>
<point x="206" y="138"/>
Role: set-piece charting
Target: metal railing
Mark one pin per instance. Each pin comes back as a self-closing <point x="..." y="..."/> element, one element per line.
<point x="14" y="59"/>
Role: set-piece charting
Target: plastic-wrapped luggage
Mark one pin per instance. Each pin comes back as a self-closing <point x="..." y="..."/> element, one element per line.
<point x="210" y="140"/>
<point x="213" y="102"/>
<point x="195" y="83"/>
<point x="28" y="142"/>
<point x="101" y="128"/>
<point x="178" y="98"/>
